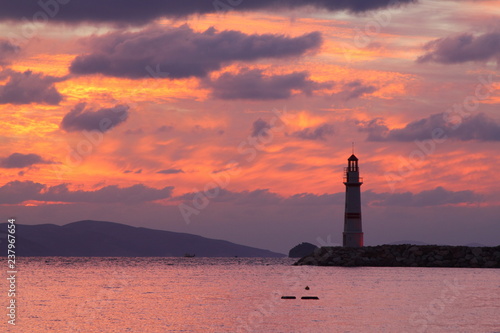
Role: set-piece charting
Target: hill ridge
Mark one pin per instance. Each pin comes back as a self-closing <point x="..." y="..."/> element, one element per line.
<point x="112" y="239"/>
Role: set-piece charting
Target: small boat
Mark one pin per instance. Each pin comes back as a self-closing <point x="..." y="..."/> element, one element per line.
<point x="189" y="255"/>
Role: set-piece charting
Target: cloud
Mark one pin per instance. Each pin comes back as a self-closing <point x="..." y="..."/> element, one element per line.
<point x="462" y="48"/>
<point x="164" y="129"/>
<point x="318" y="133"/>
<point x="132" y="171"/>
<point x="256" y="197"/>
<point x="18" y="160"/>
<point x="266" y="197"/>
<point x="255" y="85"/>
<point x="478" y="127"/>
<point x="436" y="197"/>
<point x="355" y="89"/>
<point x="170" y="171"/>
<point x="376" y="129"/>
<point x="7" y="51"/>
<point x="29" y="87"/>
<point x="310" y="199"/>
<point x="252" y="84"/>
<point x="102" y="120"/>
<point x="134" y="12"/>
<point x="17" y="192"/>
<point x="260" y="127"/>
<point x="181" y="52"/>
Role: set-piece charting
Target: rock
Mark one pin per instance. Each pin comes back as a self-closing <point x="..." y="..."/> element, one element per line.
<point x="476" y="251"/>
<point x="491" y="264"/>
<point x="302" y="250"/>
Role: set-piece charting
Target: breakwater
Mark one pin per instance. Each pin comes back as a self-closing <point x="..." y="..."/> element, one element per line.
<point x="405" y="256"/>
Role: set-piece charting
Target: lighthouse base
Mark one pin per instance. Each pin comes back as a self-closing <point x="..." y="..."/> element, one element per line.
<point x="352" y="239"/>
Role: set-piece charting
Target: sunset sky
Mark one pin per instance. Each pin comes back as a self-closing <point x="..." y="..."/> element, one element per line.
<point x="234" y="119"/>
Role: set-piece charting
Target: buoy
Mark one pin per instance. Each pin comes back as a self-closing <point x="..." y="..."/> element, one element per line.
<point x="288" y="297"/>
<point x="309" y="297"/>
<point x="306" y="288"/>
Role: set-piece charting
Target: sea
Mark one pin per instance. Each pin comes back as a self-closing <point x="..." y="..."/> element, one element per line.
<point x="58" y="294"/>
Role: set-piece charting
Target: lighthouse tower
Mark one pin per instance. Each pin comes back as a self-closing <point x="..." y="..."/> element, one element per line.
<point x="353" y="233"/>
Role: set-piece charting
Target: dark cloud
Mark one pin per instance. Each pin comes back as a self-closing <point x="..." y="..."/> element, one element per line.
<point x="136" y="12"/>
<point x="252" y="84"/>
<point x="376" y="129"/>
<point x="266" y="197"/>
<point x="102" y="120"/>
<point x="309" y="199"/>
<point x="436" y="197"/>
<point x="17" y="192"/>
<point x="132" y="171"/>
<point x="462" y="48"/>
<point x="170" y="171"/>
<point x="182" y="52"/>
<point x="256" y="197"/>
<point x="260" y="127"/>
<point x="198" y="132"/>
<point x="7" y="51"/>
<point x="355" y="89"/>
<point x="164" y="128"/>
<point x="478" y="127"/>
<point x="318" y="133"/>
<point x="29" y="87"/>
<point x="18" y="160"/>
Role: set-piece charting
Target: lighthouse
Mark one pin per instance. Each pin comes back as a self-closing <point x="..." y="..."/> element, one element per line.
<point x="353" y="233"/>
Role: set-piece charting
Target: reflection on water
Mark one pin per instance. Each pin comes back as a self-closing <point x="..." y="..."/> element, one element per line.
<point x="244" y="295"/>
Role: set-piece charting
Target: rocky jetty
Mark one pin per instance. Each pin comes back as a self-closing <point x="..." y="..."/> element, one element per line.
<point x="405" y="256"/>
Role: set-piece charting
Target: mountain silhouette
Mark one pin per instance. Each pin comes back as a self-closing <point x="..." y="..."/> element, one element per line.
<point x="108" y="239"/>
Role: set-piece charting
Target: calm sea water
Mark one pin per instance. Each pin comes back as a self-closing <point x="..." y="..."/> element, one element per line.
<point x="244" y="295"/>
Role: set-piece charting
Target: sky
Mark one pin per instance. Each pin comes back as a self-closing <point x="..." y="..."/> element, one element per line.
<point x="234" y="119"/>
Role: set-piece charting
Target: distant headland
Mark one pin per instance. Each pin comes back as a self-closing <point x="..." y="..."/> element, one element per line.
<point x="406" y="255"/>
<point x="108" y="239"/>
